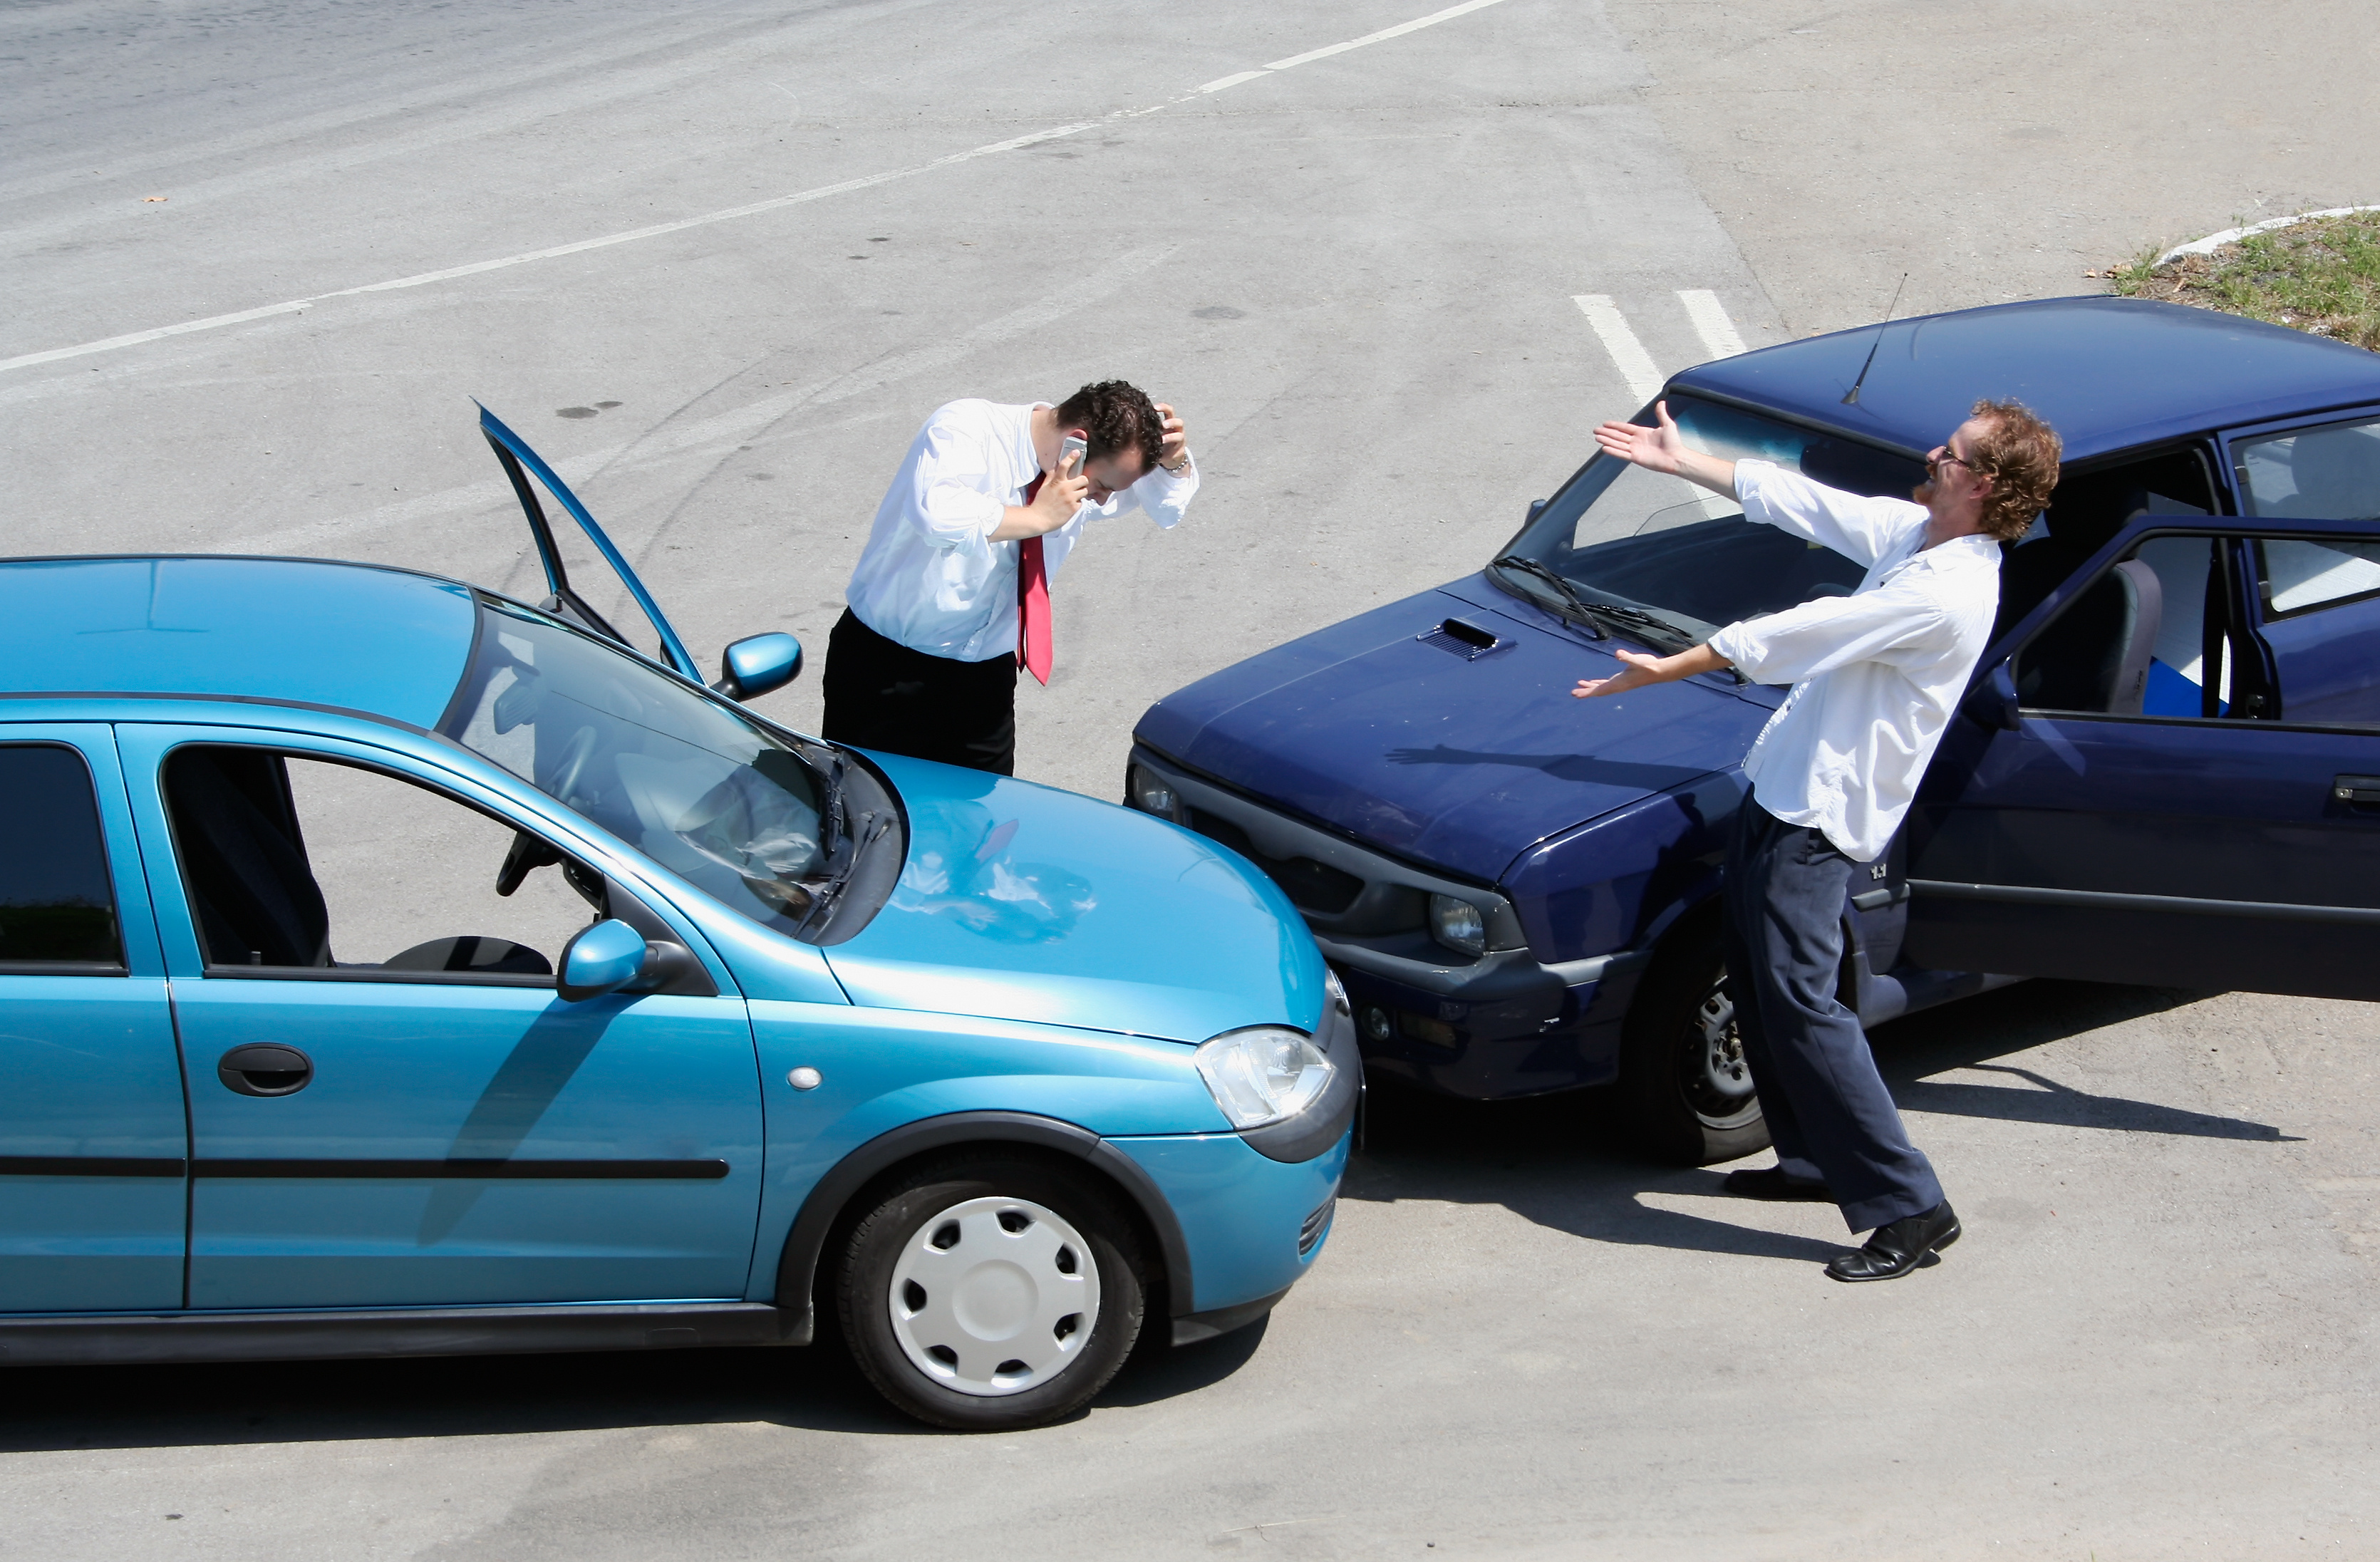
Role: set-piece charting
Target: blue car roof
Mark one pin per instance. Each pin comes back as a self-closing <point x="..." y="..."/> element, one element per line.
<point x="388" y="642"/>
<point x="2107" y="374"/>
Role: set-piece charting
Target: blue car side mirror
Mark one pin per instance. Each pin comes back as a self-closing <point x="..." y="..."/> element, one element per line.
<point x="757" y="663"/>
<point x="600" y="959"/>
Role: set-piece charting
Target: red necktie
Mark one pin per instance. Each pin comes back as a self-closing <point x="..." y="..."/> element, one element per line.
<point x="1033" y="652"/>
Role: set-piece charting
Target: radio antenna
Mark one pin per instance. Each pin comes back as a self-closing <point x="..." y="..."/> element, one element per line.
<point x="1851" y="397"/>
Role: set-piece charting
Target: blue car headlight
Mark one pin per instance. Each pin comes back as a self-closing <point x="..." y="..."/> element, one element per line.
<point x="1263" y="1074"/>
<point x="1458" y="925"/>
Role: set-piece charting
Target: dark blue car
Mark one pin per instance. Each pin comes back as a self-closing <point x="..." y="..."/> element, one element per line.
<point x="2166" y="770"/>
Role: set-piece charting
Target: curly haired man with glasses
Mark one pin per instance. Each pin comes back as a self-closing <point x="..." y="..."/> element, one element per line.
<point x="1876" y="677"/>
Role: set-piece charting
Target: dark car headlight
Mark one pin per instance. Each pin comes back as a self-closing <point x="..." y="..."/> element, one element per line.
<point x="1459" y="925"/>
<point x="1149" y="793"/>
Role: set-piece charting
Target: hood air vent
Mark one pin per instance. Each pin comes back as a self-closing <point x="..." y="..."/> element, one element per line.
<point x="1466" y="640"/>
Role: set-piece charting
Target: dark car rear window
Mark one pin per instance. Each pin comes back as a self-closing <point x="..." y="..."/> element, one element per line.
<point x="57" y="909"/>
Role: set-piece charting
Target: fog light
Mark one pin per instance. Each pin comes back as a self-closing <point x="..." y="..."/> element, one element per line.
<point x="1458" y="925"/>
<point x="1151" y="795"/>
<point x="1376" y="1022"/>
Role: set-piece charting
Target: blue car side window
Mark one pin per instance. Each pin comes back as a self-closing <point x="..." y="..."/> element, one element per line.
<point x="297" y="865"/>
<point x="57" y="910"/>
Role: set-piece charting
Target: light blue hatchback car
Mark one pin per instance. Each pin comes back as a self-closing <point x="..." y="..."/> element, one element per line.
<point x="388" y="967"/>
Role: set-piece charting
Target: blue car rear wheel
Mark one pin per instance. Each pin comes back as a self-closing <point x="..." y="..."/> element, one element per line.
<point x="990" y="1292"/>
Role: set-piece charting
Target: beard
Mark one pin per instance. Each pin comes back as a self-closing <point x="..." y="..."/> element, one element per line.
<point x="1923" y="494"/>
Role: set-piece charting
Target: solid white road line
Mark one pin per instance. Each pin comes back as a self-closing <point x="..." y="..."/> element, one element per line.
<point x="424" y="278"/>
<point x="1635" y="365"/>
<point x="134" y="338"/>
<point x="1710" y="320"/>
<point x="1382" y="36"/>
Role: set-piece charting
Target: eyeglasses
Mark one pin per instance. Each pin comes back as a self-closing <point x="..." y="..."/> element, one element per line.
<point x="1948" y="458"/>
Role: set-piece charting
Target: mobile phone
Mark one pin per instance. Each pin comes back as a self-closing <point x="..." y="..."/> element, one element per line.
<point x="1071" y="448"/>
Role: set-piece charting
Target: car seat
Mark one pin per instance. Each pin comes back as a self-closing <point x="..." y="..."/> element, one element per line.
<point x="2095" y="655"/>
<point x="252" y="892"/>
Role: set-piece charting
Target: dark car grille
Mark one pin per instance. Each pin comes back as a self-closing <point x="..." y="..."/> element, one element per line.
<point x="1311" y="886"/>
<point x="1316" y="1224"/>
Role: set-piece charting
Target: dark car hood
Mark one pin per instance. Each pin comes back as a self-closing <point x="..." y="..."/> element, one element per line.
<point x="1461" y="764"/>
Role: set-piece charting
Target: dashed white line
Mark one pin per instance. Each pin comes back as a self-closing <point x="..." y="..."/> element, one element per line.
<point x="1628" y="354"/>
<point x="1710" y="320"/>
<point x="211" y="323"/>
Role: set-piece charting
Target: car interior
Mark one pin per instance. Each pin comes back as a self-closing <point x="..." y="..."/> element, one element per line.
<point x="253" y="887"/>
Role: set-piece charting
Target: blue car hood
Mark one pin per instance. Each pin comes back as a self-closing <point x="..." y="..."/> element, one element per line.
<point x="1020" y="902"/>
<point x="1458" y="763"/>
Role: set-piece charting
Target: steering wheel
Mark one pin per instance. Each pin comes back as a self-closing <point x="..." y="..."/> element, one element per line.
<point x="567" y="769"/>
<point x="527" y="855"/>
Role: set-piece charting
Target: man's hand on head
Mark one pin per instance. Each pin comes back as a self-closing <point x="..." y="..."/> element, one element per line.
<point x="1173" y="446"/>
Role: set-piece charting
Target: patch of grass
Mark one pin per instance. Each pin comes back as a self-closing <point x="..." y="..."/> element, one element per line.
<point x="2320" y="276"/>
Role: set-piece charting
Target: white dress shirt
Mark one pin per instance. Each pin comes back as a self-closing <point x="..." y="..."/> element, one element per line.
<point x="931" y="575"/>
<point x="1876" y="674"/>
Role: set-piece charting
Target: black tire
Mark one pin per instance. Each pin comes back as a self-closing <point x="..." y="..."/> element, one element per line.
<point x="1683" y="1085"/>
<point x="902" y="1215"/>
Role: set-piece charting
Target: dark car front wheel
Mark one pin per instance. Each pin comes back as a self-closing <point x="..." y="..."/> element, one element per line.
<point x="990" y="1293"/>
<point x="1683" y="1081"/>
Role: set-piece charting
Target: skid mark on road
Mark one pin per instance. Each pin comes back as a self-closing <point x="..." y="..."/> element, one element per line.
<point x="733" y="213"/>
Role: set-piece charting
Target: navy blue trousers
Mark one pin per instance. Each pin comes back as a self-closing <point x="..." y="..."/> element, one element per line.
<point x="1827" y="1109"/>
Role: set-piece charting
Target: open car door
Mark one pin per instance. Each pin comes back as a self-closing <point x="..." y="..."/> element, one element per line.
<point x="2174" y="780"/>
<point x="520" y="462"/>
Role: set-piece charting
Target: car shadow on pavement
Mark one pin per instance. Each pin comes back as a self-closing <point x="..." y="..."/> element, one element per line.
<point x="816" y="1389"/>
<point x="1564" y="1161"/>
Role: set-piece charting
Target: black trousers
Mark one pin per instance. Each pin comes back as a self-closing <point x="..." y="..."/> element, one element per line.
<point x="881" y="694"/>
<point x="1827" y="1107"/>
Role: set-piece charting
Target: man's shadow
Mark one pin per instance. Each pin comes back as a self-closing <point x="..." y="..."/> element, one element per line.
<point x="1564" y="1161"/>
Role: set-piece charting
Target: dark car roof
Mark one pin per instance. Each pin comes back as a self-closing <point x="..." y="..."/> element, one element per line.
<point x="2107" y="374"/>
<point x="386" y="641"/>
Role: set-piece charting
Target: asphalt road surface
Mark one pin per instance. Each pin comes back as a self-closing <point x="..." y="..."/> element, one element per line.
<point x="718" y="261"/>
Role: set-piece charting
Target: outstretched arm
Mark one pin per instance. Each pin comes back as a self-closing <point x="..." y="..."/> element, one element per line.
<point x="1643" y="670"/>
<point x="1663" y="449"/>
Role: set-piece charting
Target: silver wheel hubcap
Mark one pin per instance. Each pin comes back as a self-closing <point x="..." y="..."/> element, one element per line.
<point x="994" y="1296"/>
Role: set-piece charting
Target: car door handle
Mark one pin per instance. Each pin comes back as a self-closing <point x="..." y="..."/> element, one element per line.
<point x="2357" y="789"/>
<point x="263" y="1067"/>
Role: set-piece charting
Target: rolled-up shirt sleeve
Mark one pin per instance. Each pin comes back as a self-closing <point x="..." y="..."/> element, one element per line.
<point x="1859" y="526"/>
<point x="947" y="499"/>
<point x="1160" y="494"/>
<point x="1896" y="626"/>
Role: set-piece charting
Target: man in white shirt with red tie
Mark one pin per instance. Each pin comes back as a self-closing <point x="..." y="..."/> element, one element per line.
<point x="950" y="595"/>
<point x="1877" y="676"/>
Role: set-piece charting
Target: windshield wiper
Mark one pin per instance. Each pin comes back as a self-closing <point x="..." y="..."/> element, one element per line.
<point x="1637" y="617"/>
<point x="1580" y="607"/>
<point x="825" y="893"/>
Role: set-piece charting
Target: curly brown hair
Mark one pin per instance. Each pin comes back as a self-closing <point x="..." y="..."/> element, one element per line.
<point x="2020" y="453"/>
<point x="1114" y="418"/>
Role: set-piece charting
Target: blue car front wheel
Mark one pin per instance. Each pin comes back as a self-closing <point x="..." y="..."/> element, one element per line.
<point x="991" y="1291"/>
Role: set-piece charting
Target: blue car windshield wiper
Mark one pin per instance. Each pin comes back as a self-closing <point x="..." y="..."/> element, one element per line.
<point x="1580" y="607"/>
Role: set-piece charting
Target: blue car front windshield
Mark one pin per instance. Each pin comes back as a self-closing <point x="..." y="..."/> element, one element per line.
<point x="1658" y="546"/>
<point x="695" y="786"/>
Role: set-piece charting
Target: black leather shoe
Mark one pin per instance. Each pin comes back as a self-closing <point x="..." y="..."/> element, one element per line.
<point x="1894" y="1250"/>
<point x="1771" y="1183"/>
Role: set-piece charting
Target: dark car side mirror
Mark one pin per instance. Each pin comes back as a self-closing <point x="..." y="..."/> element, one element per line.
<point x="758" y="663"/>
<point x="1993" y="701"/>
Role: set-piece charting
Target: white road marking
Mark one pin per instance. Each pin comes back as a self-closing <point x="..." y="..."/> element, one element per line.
<point x="135" y="338"/>
<point x="1382" y="36"/>
<point x="1710" y="320"/>
<point x="1628" y="354"/>
<point x="711" y="437"/>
